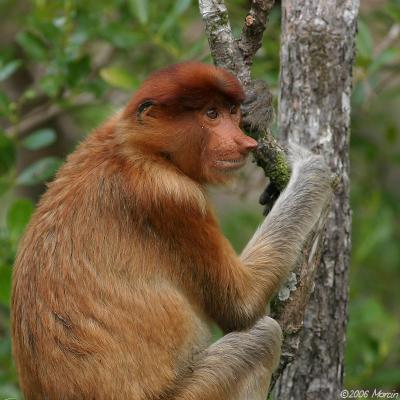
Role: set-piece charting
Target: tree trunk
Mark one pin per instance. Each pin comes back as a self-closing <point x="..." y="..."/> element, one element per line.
<point x="317" y="53"/>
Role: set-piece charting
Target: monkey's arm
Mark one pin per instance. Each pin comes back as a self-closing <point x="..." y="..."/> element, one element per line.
<point x="245" y="286"/>
<point x="238" y="354"/>
<point x="275" y="246"/>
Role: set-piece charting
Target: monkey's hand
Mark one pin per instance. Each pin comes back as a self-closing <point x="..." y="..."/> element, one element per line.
<point x="304" y="162"/>
<point x="268" y="197"/>
<point x="257" y="110"/>
<point x="305" y="165"/>
<point x="257" y="117"/>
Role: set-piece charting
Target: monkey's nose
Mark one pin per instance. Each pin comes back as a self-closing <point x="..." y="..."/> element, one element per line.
<point x="247" y="143"/>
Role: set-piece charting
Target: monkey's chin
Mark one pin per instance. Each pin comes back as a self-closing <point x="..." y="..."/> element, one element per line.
<point x="223" y="176"/>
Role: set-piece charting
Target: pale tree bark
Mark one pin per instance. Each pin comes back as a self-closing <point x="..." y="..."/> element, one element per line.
<point x="317" y="52"/>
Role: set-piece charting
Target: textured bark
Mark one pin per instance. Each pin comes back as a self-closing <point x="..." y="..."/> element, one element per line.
<point x="233" y="54"/>
<point x="317" y="53"/>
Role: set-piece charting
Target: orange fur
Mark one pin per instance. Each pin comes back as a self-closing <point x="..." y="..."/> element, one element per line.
<point x="123" y="265"/>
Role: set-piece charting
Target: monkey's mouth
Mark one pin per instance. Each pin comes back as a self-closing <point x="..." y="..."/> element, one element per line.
<point x="230" y="164"/>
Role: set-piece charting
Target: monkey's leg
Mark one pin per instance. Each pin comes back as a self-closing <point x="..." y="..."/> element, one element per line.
<point x="255" y="386"/>
<point x="223" y="369"/>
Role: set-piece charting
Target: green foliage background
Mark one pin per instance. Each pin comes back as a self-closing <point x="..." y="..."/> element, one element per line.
<point x="71" y="57"/>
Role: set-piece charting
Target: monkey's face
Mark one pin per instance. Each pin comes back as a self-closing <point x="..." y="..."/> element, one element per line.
<point x="227" y="147"/>
<point x="205" y="143"/>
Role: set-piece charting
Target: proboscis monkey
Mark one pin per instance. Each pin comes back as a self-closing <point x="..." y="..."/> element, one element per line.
<point x="123" y="266"/>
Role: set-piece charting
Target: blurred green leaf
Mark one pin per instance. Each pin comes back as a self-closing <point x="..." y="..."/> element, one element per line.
<point x="32" y="45"/>
<point x="39" y="139"/>
<point x="364" y="41"/>
<point x="39" y="171"/>
<point x="78" y="70"/>
<point x="29" y="94"/>
<point x="122" y="37"/>
<point x="8" y="69"/>
<point x="5" y="284"/>
<point x="179" y="8"/>
<point x="387" y="377"/>
<point x="96" y="86"/>
<point x="396" y="158"/>
<point x="4" y="104"/>
<point x="384" y="58"/>
<point x="119" y="77"/>
<point x="52" y="84"/>
<point x="371" y="243"/>
<point x="371" y="335"/>
<point x="367" y="146"/>
<point x="5" y="184"/>
<point x="18" y="216"/>
<point x="391" y="133"/>
<point x="7" y="153"/>
<point x="79" y="38"/>
<point x="9" y="392"/>
<point x="140" y="9"/>
<point x="393" y="10"/>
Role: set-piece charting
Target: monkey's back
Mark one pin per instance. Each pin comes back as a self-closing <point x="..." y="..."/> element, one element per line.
<point x="94" y="313"/>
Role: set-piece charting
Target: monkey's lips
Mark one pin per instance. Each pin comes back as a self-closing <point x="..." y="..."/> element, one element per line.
<point x="230" y="164"/>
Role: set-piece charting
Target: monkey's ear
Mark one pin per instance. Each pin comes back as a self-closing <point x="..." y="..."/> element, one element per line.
<point x="144" y="109"/>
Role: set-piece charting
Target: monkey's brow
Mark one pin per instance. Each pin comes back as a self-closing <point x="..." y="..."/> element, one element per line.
<point x="223" y="102"/>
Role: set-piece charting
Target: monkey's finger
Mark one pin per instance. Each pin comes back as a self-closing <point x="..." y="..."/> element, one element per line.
<point x="251" y="96"/>
<point x="269" y="193"/>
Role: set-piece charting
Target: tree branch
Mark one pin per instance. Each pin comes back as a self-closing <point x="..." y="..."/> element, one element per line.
<point x="219" y="32"/>
<point x="389" y="39"/>
<point x="251" y="39"/>
<point x="48" y="110"/>
<point x="44" y="113"/>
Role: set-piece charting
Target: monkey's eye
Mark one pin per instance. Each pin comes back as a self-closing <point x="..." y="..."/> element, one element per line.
<point x="212" y="113"/>
<point x="233" y="109"/>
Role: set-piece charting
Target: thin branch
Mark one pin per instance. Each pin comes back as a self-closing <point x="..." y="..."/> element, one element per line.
<point x="271" y="157"/>
<point x="389" y="39"/>
<point x="47" y="110"/>
<point x="223" y="47"/>
<point x="43" y="114"/>
<point x="255" y="22"/>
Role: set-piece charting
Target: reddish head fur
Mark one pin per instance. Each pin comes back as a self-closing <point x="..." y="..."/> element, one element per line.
<point x="167" y="116"/>
<point x="188" y="85"/>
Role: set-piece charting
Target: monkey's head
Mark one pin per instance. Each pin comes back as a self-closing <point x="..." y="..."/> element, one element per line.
<point x="189" y="114"/>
